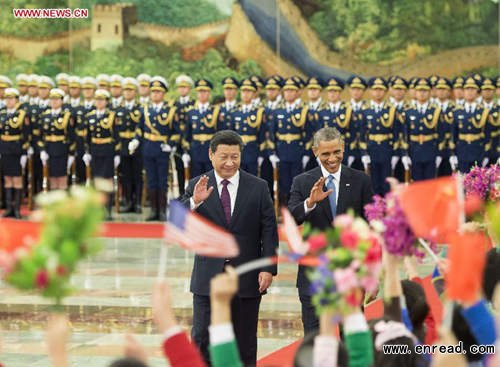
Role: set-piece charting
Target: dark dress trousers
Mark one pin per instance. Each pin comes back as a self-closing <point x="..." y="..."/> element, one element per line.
<point x="355" y="191"/>
<point x="253" y="223"/>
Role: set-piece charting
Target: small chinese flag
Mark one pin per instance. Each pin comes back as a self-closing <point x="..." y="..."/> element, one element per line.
<point x="432" y="208"/>
<point x="467" y="258"/>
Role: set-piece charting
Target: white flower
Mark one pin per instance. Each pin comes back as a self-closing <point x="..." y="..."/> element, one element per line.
<point x="377" y="225"/>
<point x="51" y="197"/>
<point x="360" y="227"/>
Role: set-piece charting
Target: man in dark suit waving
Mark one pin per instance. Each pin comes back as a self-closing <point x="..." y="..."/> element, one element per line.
<point x="320" y="194"/>
<point x="240" y="203"/>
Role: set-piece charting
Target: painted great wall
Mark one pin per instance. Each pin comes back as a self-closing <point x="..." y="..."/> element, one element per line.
<point x="249" y="34"/>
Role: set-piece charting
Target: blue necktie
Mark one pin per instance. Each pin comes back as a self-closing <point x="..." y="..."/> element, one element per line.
<point x="330" y="185"/>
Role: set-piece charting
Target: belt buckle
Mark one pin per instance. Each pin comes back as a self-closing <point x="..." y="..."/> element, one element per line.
<point x="421" y="139"/>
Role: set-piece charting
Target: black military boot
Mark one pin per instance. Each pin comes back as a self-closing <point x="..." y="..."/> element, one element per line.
<point x="129" y="204"/>
<point x="109" y="207"/>
<point x="138" y="200"/>
<point x="18" y="193"/>
<point x="9" y="208"/>
<point x="162" y="205"/>
<point x="153" y="198"/>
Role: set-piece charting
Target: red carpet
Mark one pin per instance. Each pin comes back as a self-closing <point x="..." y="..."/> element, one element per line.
<point x="282" y="357"/>
<point x="110" y="229"/>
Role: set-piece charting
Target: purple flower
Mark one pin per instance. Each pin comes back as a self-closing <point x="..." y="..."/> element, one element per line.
<point x="480" y="181"/>
<point x="375" y="210"/>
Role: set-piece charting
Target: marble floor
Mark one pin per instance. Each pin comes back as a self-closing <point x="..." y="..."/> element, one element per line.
<point x="113" y="298"/>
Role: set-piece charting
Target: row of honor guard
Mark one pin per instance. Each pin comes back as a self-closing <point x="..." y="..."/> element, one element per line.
<point x="115" y="135"/>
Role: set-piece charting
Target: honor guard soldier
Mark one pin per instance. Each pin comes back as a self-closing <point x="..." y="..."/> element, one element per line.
<point x="155" y="131"/>
<point x="5" y="83"/>
<point x="397" y="90"/>
<point x="338" y="114"/>
<point x="301" y="84"/>
<point x="422" y="134"/>
<point x="202" y="121"/>
<point x="33" y="89"/>
<point x="247" y="121"/>
<point x="14" y="142"/>
<point x="62" y="81"/>
<point x="314" y="87"/>
<point x="470" y="131"/>
<point x="144" y="80"/>
<point x="22" y="81"/>
<point x="273" y="86"/>
<point x="75" y="86"/>
<point x="433" y="81"/>
<point x="377" y="136"/>
<point x="45" y="84"/>
<point x="411" y="90"/>
<point x="103" y="143"/>
<point x="79" y="111"/>
<point x="493" y="124"/>
<point x="357" y="87"/>
<point x="289" y="133"/>
<point x="115" y="82"/>
<point x="259" y="83"/>
<point x="273" y="89"/>
<point x="458" y="90"/>
<point x="184" y="83"/>
<point x="131" y="164"/>
<point x="103" y="81"/>
<point x="230" y="89"/>
<point x="443" y="101"/>
<point x="57" y="146"/>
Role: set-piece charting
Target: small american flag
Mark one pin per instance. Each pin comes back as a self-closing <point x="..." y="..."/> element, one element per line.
<point x="195" y="233"/>
<point x="293" y="235"/>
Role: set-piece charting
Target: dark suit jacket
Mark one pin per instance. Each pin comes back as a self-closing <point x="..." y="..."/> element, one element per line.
<point x="253" y="224"/>
<point x="355" y="191"/>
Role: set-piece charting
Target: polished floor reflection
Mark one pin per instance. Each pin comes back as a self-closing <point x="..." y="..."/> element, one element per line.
<point x="113" y="298"/>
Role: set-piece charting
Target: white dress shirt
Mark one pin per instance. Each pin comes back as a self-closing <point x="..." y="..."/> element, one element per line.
<point x="232" y="187"/>
<point x="230" y="104"/>
<point x="184" y="100"/>
<point x="335" y="107"/>
<point x="202" y="107"/>
<point x="336" y="181"/>
<point x="356" y="105"/>
<point x="314" y="105"/>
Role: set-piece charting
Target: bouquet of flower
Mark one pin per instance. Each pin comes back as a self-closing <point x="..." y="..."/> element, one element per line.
<point x="350" y="256"/>
<point x="483" y="183"/>
<point x="388" y="218"/>
<point x="69" y="223"/>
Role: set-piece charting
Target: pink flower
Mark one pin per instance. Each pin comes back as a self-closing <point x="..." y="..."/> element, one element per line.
<point x="343" y="221"/>
<point x="349" y="239"/>
<point x="369" y="283"/>
<point x="374" y="253"/>
<point x="317" y="242"/>
<point x="42" y="279"/>
<point x="345" y="279"/>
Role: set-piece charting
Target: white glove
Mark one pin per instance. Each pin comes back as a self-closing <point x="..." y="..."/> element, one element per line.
<point x="44" y="157"/>
<point x="366" y="160"/>
<point x="486" y="160"/>
<point x="305" y="160"/>
<point x="23" y="161"/>
<point x="133" y="145"/>
<point x="166" y="148"/>
<point x="31" y="151"/>
<point x="260" y="160"/>
<point x="71" y="159"/>
<point x="394" y="161"/>
<point x="273" y="158"/>
<point x="87" y="158"/>
<point x="350" y="160"/>
<point x="186" y="159"/>
<point x="453" y="162"/>
<point x="174" y="149"/>
<point x="406" y="162"/>
<point x="117" y="161"/>
<point x="439" y="159"/>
